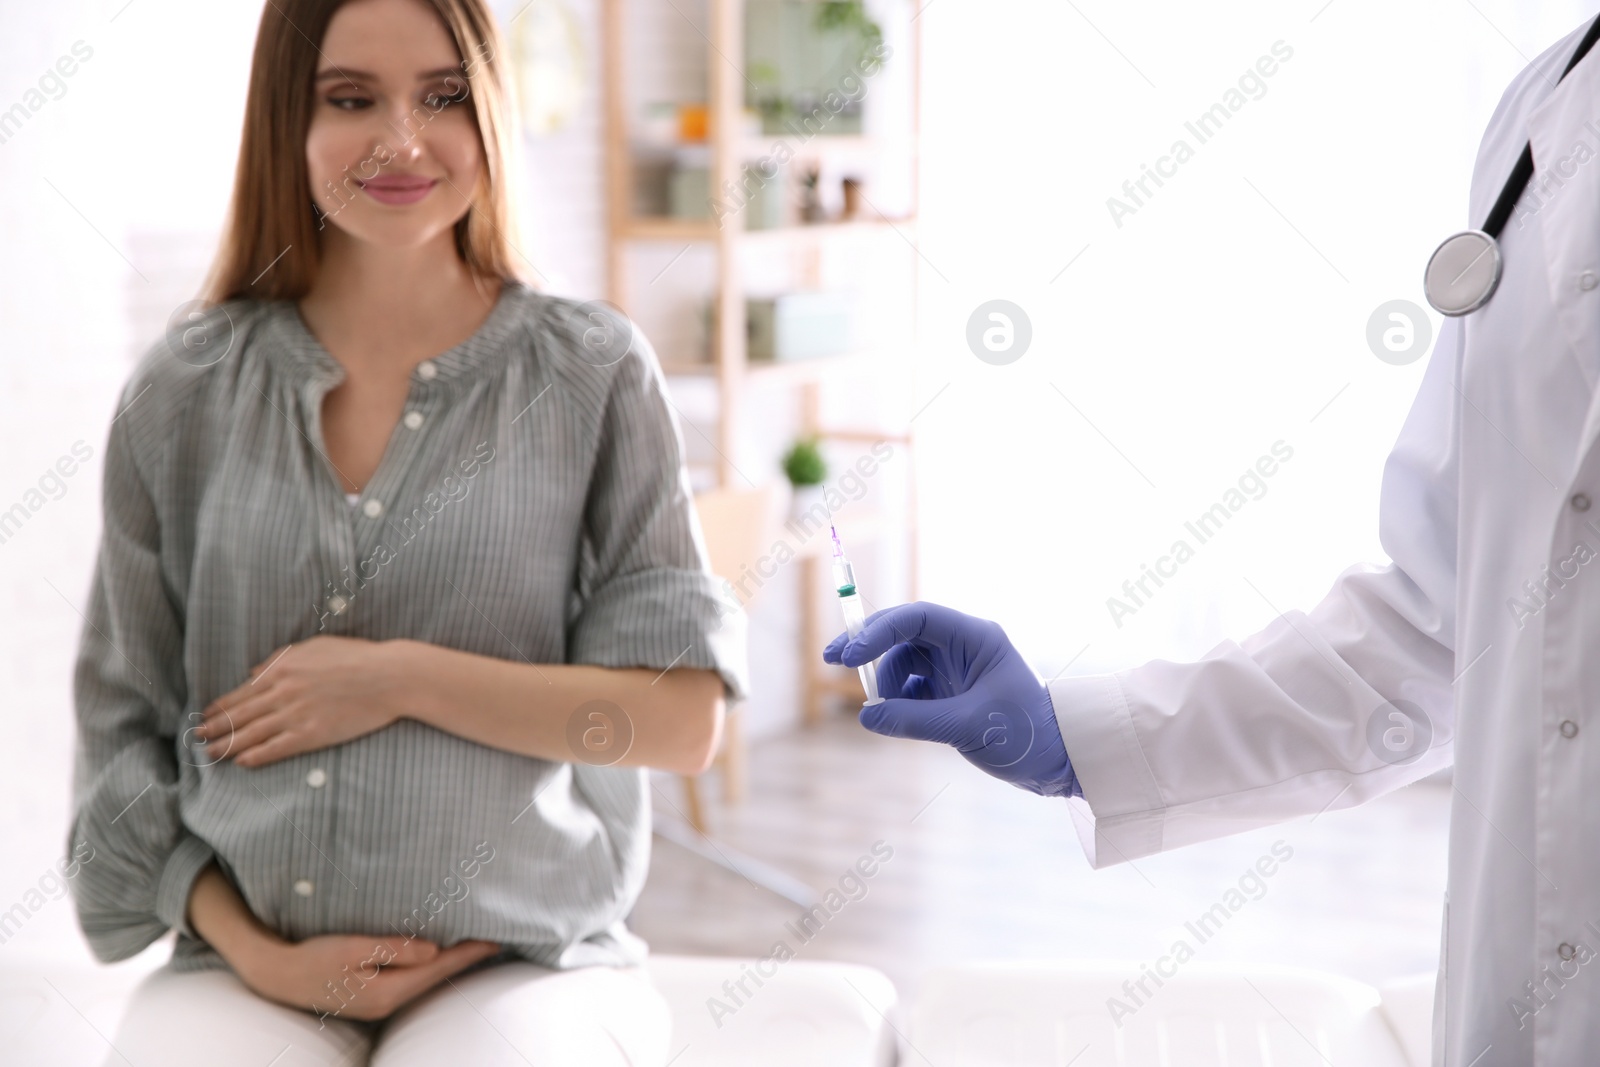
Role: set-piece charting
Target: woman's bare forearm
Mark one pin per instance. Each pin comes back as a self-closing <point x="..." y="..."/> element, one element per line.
<point x="569" y="712"/>
<point x="224" y="921"/>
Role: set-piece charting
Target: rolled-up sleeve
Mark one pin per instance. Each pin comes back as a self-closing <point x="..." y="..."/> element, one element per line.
<point x="128" y="691"/>
<point x="647" y="595"/>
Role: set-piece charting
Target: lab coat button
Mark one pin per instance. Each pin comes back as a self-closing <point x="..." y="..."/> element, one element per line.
<point x="304" y="887"/>
<point x="413" y="419"/>
<point x="427" y="370"/>
<point x="316" y="778"/>
<point x="1566" y="951"/>
<point x="373" y="508"/>
<point x="1580" y="502"/>
<point x="1588" y="280"/>
<point x="1569" y="729"/>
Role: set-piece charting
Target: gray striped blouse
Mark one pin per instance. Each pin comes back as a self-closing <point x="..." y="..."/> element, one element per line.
<point x="531" y="505"/>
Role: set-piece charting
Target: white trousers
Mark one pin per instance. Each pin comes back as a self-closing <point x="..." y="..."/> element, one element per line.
<point x="508" y="1013"/>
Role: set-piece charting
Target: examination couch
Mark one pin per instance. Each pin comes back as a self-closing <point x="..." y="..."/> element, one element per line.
<point x="825" y="1014"/>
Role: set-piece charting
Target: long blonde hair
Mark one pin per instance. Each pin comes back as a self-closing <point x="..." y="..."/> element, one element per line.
<point x="270" y="247"/>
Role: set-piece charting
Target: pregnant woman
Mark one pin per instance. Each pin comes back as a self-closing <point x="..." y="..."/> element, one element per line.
<point x="399" y="592"/>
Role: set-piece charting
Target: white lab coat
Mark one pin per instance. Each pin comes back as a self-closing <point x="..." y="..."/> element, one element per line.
<point x="1489" y="484"/>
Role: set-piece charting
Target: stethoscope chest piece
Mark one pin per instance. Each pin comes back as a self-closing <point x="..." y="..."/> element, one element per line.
<point x="1462" y="273"/>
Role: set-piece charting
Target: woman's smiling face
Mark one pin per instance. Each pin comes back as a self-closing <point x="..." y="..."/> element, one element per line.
<point x="393" y="149"/>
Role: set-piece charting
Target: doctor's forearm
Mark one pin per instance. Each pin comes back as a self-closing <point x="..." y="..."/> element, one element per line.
<point x="674" y="717"/>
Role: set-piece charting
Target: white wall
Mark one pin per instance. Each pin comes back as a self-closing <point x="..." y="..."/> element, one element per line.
<point x="1218" y="319"/>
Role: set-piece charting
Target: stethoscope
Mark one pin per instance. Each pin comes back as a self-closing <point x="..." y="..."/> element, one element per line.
<point x="1464" y="270"/>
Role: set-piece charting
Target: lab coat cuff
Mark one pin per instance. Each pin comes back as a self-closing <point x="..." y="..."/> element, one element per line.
<point x="177" y="879"/>
<point x="1118" y="788"/>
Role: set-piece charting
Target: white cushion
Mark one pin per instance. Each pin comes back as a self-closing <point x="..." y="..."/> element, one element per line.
<point x="808" y="1013"/>
<point x="66" y="1012"/>
<point x="1046" y="1015"/>
<point x="1408" y="1005"/>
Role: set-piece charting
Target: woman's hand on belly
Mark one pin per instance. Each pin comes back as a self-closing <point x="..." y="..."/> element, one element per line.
<point x="319" y="692"/>
<point x="350" y="976"/>
<point x="356" y="977"/>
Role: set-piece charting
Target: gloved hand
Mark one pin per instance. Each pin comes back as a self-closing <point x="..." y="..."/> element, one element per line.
<point x="955" y="678"/>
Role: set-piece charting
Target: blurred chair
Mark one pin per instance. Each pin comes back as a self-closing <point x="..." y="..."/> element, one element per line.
<point x="737" y="524"/>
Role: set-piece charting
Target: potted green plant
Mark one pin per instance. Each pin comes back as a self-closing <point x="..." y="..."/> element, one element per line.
<point x="806" y="470"/>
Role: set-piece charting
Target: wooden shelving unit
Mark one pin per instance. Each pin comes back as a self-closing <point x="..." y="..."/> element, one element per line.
<point x="729" y="369"/>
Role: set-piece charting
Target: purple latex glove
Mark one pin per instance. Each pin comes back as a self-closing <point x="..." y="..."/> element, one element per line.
<point x="955" y="678"/>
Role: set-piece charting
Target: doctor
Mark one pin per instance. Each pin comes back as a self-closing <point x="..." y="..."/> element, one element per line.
<point x="1477" y="645"/>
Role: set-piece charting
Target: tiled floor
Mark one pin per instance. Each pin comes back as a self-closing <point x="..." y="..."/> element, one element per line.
<point x="982" y="870"/>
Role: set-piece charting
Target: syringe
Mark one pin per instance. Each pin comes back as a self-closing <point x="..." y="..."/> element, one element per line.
<point x="855" y="615"/>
